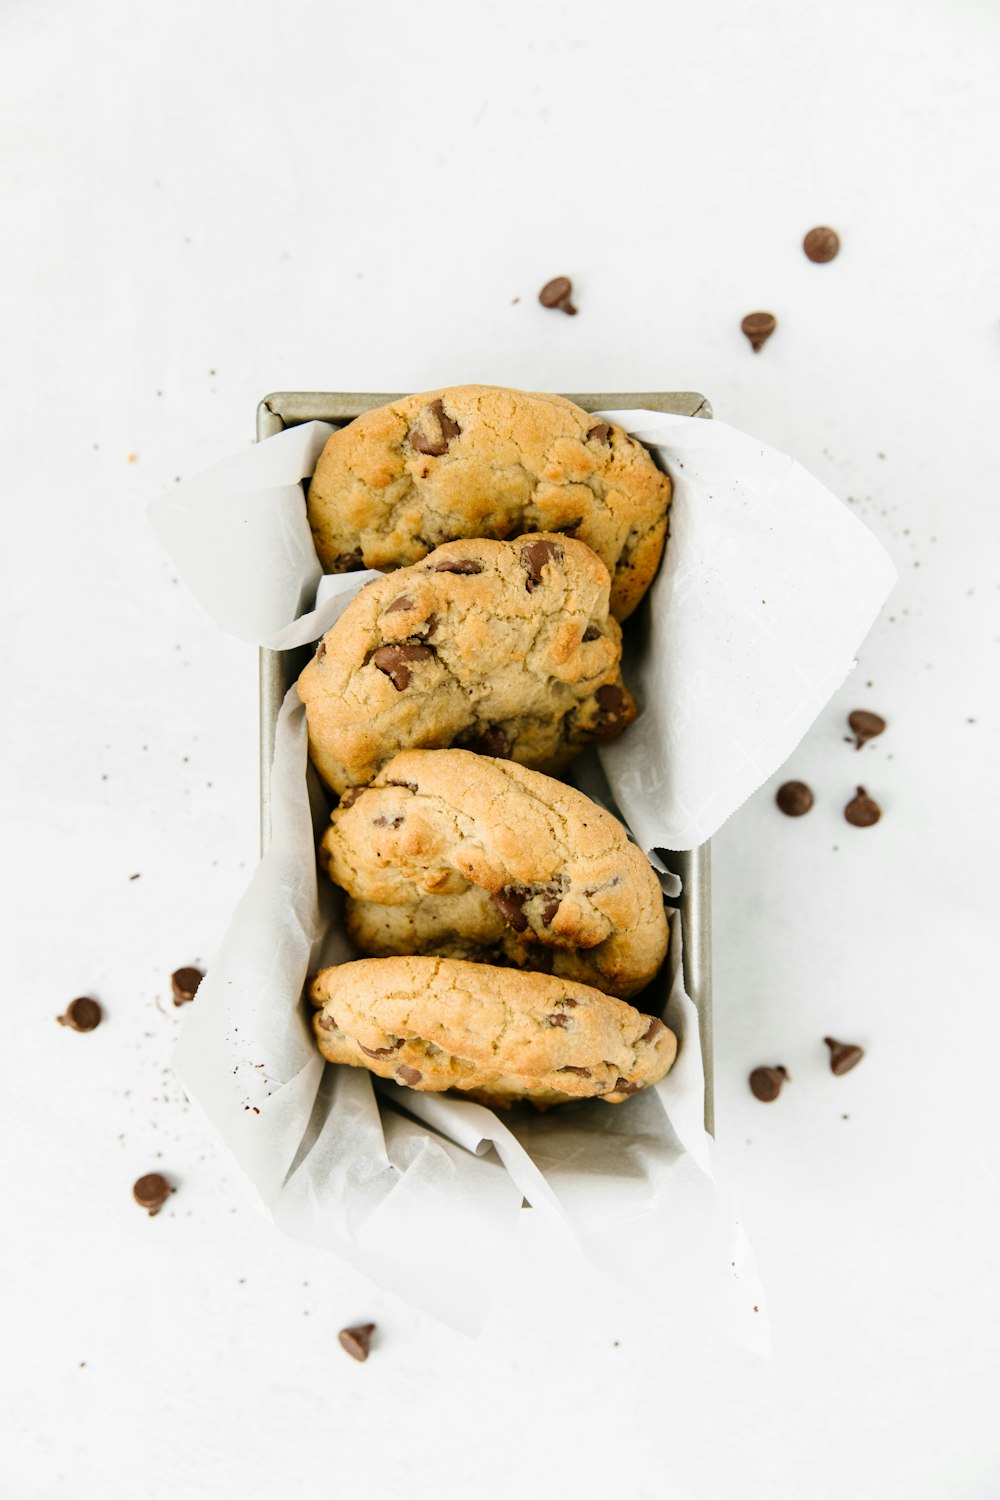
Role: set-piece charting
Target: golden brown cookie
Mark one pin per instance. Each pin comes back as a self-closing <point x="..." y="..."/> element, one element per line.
<point x="481" y="460"/>
<point x="494" y="1034"/>
<point x="464" y="856"/>
<point x="504" y="647"/>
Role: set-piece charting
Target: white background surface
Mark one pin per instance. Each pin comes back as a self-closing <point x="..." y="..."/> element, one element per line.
<point x="204" y="203"/>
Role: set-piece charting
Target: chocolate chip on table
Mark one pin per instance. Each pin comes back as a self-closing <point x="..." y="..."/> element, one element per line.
<point x="457" y="565"/>
<point x="569" y="1068"/>
<point x="357" y="1341"/>
<point x="558" y="293"/>
<point x="794" y="798"/>
<point x="83" y="1014"/>
<point x="392" y="660"/>
<point x="862" y="811"/>
<point x="447" y="427"/>
<point x="765" y="1083"/>
<point x="151" y="1192"/>
<point x="184" y="983"/>
<point x="843" y="1055"/>
<point x="821" y="244"/>
<point x="534" y="557"/>
<point x="758" y="327"/>
<point x="865" y="726"/>
<point x="600" y="433"/>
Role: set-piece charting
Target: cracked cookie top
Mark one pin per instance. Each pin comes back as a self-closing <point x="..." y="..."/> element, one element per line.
<point x="466" y="856"/>
<point x="485" y="461"/>
<point x="506" y="648"/>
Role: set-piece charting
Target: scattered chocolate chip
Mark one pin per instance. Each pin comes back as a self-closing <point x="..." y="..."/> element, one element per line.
<point x="600" y="433"/>
<point x="510" y="900"/>
<point x="408" y="1075"/>
<point x="383" y="1051"/>
<point x="558" y="293"/>
<point x="821" y="244"/>
<point x="403" y="602"/>
<point x="534" y="556"/>
<point x="448" y="429"/>
<point x="866" y="726"/>
<point x="392" y="661"/>
<point x="351" y="796"/>
<point x="862" y="811"/>
<point x="456" y="565"/>
<point x="357" y="1341"/>
<point x="558" y="1020"/>
<point x="381" y="822"/>
<point x="653" y="1030"/>
<point x="794" y="798"/>
<point x="348" y="562"/>
<point x="569" y="1068"/>
<point x="184" y="983"/>
<point x="843" y="1055"/>
<point x="758" y="327"/>
<point x="765" y="1083"/>
<point x="151" y="1192"/>
<point x="83" y="1014"/>
<point x="591" y="634"/>
<point x="492" y="741"/>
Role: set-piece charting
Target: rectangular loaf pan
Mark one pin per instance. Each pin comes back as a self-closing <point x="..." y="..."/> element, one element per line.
<point x="279" y="669"/>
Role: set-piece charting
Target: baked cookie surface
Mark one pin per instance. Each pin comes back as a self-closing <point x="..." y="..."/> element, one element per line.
<point x="504" y="647"/>
<point x="480" y="460"/>
<point x="496" y="1035"/>
<point x="468" y="857"/>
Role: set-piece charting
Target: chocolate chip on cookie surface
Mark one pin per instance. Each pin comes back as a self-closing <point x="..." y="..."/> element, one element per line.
<point x="507" y="646"/>
<point x="484" y="461"/>
<point x="495" y="1035"/>
<point x="435" y="860"/>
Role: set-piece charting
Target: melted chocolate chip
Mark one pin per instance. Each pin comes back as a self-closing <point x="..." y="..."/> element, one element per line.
<point x="653" y="1030"/>
<point x="184" y="983"/>
<point x="382" y="1051"/>
<point x="549" y="910"/>
<point x="794" y="798"/>
<point x="320" y="651"/>
<point x="428" y="628"/>
<point x="610" y="702"/>
<point x="387" y="822"/>
<point x="357" y="1341"/>
<point x="392" y="660"/>
<point x="568" y="1000"/>
<point x="600" y="433"/>
<point x="327" y="1023"/>
<point x="492" y="741"/>
<point x="534" y="557"/>
<point x="591" y="634"/>
<point x="151" y="1192"/>
<point x="351" y="796"/>
<point x="557" y="293"/>
<point x="569" y="1068"/>
<point x="862" y="811"/>
<point x="456" y="565"/>
<point x="411" y="786"/>
<point x="447" y="428"/>
<point x="843" y="1055"/>
<point x="408" y="1075"/>
<point x="403" y="602"/>
<point x="558" y="1020"/>
<point x="758" y="327"/>
<point x="348" y="562"/>
<point x="83" y="1014"/>
<point x="624" y="1087"/>
<point x="765" y="1083"/>
<point x="866" y="726"/>
<point x="821" y="244"/>
<point x="510" y="900"/>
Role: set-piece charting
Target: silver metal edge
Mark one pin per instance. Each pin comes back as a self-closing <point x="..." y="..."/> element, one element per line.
<point x="277" y="673"/>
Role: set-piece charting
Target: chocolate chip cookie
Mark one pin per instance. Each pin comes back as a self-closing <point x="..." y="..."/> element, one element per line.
<point x="465" y="856"/>
<point x="480" y="460"/>
<point x="506" y="648"/>
<point x="494" y="1034"/>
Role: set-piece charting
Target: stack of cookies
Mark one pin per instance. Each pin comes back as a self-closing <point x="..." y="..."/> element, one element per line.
<point x="508" y="919"/>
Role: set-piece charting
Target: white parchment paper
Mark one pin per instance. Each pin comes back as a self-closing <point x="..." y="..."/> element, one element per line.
<point x="768" y="587"/>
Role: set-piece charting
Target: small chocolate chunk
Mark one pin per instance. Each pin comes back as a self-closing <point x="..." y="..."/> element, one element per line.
<point x="151" y="1192"/>
<point x="457" y="565"/>
<point x="591" y="634"/>
<point x="411" y="786"/>
<point x="558" y="1020"/>
<point x="320" y="651"/>
<point x="843" y="1055"/>
<point x="427" y="629"/>
<point x="610" y="702"/>
<point x="492" y="741"/>
<point x="348" y="562"/>
<point x="351" y="796"/>
<point x="866" y="726"/>
<point x="558" y="293"/>
<point x="382" y="822"/>
<point x="392" y="660"/>
<point x="357" y="1341"/>
<point x="448" y="429"/>
<point x="622" y="1086"/>
<point x="600" y="433"/>
<point x="794" y="798"/>
<point x="821" y="244"/>
<point x="862" y="811"/>
<point x="83" y="1014"/>
<point x="653" y="1030"/>
<point x="382" y="1051"/>
<point x="534" y="556"/>
<point x="758" y="327"/>
<point x="568" y="1001"/>
<point x="403" y="602"/>
<point x="184" y="983"/>
<point x="510" y="900"/>
<point x="327" y="1023"/>
<point x="583" y="1072"/>
<point x="549" y="911"/>
<point x="765" y="1083"/>
<point x="408" y="1075"/>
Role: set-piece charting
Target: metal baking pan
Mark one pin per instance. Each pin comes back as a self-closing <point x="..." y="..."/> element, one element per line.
<point x="279" y="669"/>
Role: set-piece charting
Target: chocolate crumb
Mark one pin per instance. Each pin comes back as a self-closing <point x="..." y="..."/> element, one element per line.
<point x="357" y="1341"/>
